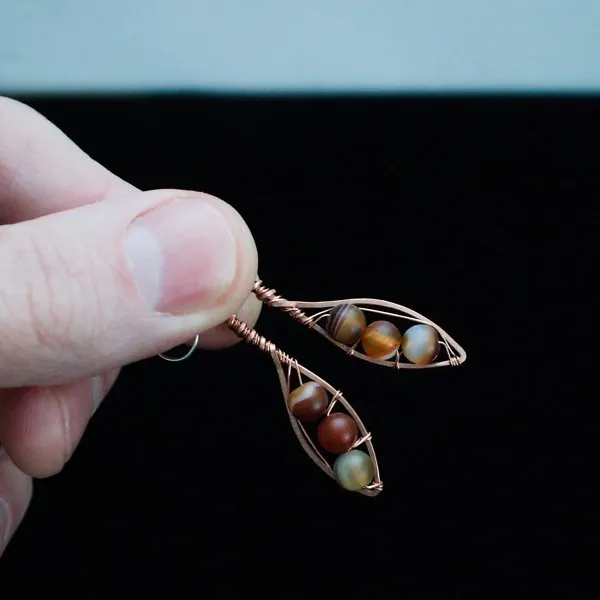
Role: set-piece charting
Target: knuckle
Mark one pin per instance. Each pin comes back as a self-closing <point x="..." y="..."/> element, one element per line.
<point x="48" y="304"/>
<point x="49" y="311"/>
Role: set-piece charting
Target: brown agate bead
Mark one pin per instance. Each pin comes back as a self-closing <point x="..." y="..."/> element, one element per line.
<point x="337" y="432"/>
<point x="308" y="402"/>
<point x="381" y="340"/>
<point x="346" y="323"/>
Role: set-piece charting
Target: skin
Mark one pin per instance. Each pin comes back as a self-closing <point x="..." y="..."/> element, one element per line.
<point x="59" y="355"/>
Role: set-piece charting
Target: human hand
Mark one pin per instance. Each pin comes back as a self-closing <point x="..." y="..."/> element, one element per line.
<point x="95" y="274"/>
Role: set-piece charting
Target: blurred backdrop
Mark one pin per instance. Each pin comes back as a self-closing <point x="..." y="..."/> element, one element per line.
<point x="313" y="45"/>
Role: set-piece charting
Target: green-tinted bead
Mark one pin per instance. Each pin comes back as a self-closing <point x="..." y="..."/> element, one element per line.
<point x="354" y="470"/>
<point x="420" y="344"/>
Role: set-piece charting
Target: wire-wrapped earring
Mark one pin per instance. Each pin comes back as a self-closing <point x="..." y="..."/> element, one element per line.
<point x="310" y="403"/>
<point x="382" y="342"/>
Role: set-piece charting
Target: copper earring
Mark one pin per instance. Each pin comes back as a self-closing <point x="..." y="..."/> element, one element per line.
<point x="310" y="402"/>
<point x="382" y="341"/>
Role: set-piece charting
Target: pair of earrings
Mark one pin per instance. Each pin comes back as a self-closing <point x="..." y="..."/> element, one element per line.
<point x="311" y="400"/>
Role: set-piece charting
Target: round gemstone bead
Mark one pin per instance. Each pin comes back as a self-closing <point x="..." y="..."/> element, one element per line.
<point x="381" y="340"/>
<point x="337" y="432"/>
<point x="308" y="402"/>
<point x="346" y="323"/>
<point x="420" y="344"/>
<point x="354" y="470"/>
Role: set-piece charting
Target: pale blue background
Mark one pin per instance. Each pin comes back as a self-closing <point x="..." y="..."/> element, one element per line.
<point x="293" y="45"/>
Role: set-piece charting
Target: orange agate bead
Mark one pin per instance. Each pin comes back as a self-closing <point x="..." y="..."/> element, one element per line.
<point x="381" y="340"/>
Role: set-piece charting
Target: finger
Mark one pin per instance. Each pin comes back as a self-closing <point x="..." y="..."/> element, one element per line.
<point x="42" y="171"/>
<point x="15" y="495"/>
<point x="40" y="427"/>
<point x="221" y="336"/>
<point x="88" y="290"/>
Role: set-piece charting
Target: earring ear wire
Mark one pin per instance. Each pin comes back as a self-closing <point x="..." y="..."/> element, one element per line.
<point x="185" y="356"/>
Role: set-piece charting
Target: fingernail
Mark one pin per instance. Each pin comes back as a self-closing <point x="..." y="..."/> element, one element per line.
<point x="3" y="525"/>
<point x="182" y="255"/>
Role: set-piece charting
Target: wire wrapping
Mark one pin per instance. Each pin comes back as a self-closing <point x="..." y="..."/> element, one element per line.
<point x="252" y="337"/>
<point x="270" y="297"/>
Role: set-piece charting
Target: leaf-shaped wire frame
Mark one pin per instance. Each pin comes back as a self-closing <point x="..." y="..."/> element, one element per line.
<point x="455" y="354"/>
<point x="282" y="360"/>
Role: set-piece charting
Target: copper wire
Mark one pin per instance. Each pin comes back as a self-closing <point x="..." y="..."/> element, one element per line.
<point x="252" y="337"/>
<point x="270" y="297"/>
<point x="334" y="399"/>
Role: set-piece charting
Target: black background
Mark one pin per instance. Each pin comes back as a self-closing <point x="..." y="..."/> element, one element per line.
<point x="477" y="212"/>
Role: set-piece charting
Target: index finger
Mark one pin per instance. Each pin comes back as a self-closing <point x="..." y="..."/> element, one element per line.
<point x="42" y="171"/>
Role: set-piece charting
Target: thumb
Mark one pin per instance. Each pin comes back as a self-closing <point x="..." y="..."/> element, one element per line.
<point x="91" y="289"/>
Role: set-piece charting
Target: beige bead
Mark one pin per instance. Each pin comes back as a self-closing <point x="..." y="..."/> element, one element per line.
<point x="421" y="344"/>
